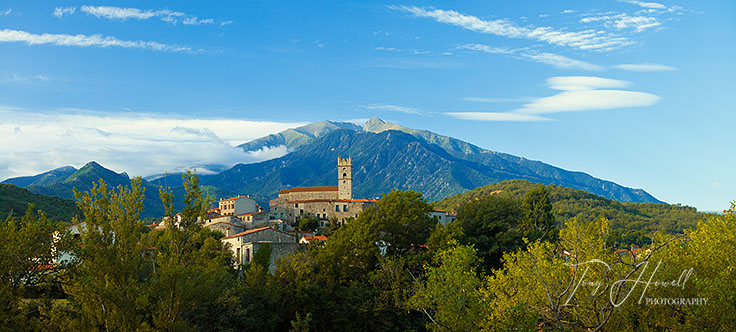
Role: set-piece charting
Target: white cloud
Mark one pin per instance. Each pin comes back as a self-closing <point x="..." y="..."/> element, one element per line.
<point x="392" y="108"/>
<point x="579" y="93"/>
<point x="555" y="60"/>
<point x="59" y="12"/>
<point x="584" y="83"/>
<point x="644" y="67"/>
<point x="584" y="40"/>
<point x="496" y="116"/>
<point x="560" y="61"/>
<point x="6" y="12"/>
<point x="224" y="23"/>
<point x="119" y="13"/>
<point x="139" y="144"/>
<point x="624" y="21"/>
<point x="651" y="5"/>
<point x="80" y="40"/>
<point x="588" y="100"/>
<point x="487" y="49"/>
<point x="166" y="15"/>
<point x="569" y="11"/>
<point x="195" y="21"/>
<point x="19" y="78"/>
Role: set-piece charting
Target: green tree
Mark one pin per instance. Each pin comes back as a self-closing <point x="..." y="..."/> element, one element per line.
<point x="108" y="282"/>
<point x="538" y="218"/>
<point x="262" y="256"/>
<point x="191" y="268"/>
<point x="29" y="246"/>
<point x="450" y="295"/>
<point x="490" y="224"/>
<point x="308" y="223"/>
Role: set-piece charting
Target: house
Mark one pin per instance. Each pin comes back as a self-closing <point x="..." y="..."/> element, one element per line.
<point x="443" y="217"/>
<point x="245" y="244"/>
<point x="324" y="203"/>
<point x="237" y="205"/>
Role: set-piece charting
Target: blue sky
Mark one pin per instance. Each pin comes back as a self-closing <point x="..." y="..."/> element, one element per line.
<point x="637" y="92"/>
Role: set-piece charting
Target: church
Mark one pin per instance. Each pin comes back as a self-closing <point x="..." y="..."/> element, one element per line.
<point x="324" y="203"/>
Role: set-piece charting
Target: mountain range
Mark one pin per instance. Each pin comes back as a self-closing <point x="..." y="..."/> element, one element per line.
<point x="386" y="156"/>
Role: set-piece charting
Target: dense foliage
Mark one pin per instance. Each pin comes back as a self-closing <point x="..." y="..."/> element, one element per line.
<point x="14" y="201"/>
<point x="636" y="222"/>
<point x="502" y="265"/>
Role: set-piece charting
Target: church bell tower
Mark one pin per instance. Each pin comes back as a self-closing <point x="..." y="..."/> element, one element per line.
<point x="345" y="178"/>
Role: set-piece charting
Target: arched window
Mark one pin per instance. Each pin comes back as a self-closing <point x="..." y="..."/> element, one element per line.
<point x="344" y="175"/>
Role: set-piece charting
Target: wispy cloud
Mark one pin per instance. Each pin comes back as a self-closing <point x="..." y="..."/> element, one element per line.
<point x="644" y="67"/>
<point x="59" y="12"/>
<point x="650" y="5"/>
<point x="579" y="93"/>
<point x="391" y="108"/>
<point x="625" y="21"/>
<point x="120" y="13"/>
<point x="140" y="144"/>
<point x="18" y="78"/>
<point x="583" y="40"/>
<point x="127" y="13"/>
<point x="391" y="49"/>
<point x="6" y="12"/>
<point x="80" y="40"/>
<point x="556" y="60"/>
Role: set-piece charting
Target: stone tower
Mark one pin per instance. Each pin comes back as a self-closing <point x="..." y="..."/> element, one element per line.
<point x="345" y="178"/>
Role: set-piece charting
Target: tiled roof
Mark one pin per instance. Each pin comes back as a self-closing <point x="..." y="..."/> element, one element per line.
<point x="234" y="198"/>
<point x="329" y="200"/>
<point x="250" y="213"/>
<point x="315" y="237"/>
<point x="250" y="231"/>
<point x="307" y="189"/>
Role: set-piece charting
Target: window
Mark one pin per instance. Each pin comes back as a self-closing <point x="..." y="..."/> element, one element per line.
<point x="344" y="175"/>
<point x="345" y="208"/>
<point x="296" y="205"/>
<point x="238" y="255"/>
<point x="337" y="208"/>
<point x="247" y="255"/>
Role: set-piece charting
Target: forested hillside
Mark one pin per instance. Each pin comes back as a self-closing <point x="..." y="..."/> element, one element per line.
<point x="636" y="221"/>
<point x="14" y="200"/>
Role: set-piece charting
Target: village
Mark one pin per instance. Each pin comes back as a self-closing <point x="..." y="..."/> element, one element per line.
<point x="247" y="227"/>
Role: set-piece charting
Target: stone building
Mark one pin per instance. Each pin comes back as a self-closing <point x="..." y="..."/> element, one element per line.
<point x="443" y="217"/>
<point x="245" y="244"/>
<point x="324" y="203"/>
<point x="237" y="205"/>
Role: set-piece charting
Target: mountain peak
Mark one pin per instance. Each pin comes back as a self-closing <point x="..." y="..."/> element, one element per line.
<point x="92" y="164"/>
<point x="376" y="125"/>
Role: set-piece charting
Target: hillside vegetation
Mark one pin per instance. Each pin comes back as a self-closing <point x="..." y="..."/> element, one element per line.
<point x="635" y="221"/>
<point x="14" y="200"/>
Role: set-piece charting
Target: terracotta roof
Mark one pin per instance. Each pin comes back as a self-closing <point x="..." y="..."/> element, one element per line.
<point x="234" y="198"/>
<point x="328" y="200"/>
<point x="315" y="237"/>
<point x="249" y="213"/>
<point x="250" y="231"/>
<point x="438" y="210"/>
<point x="307" y="189"/>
